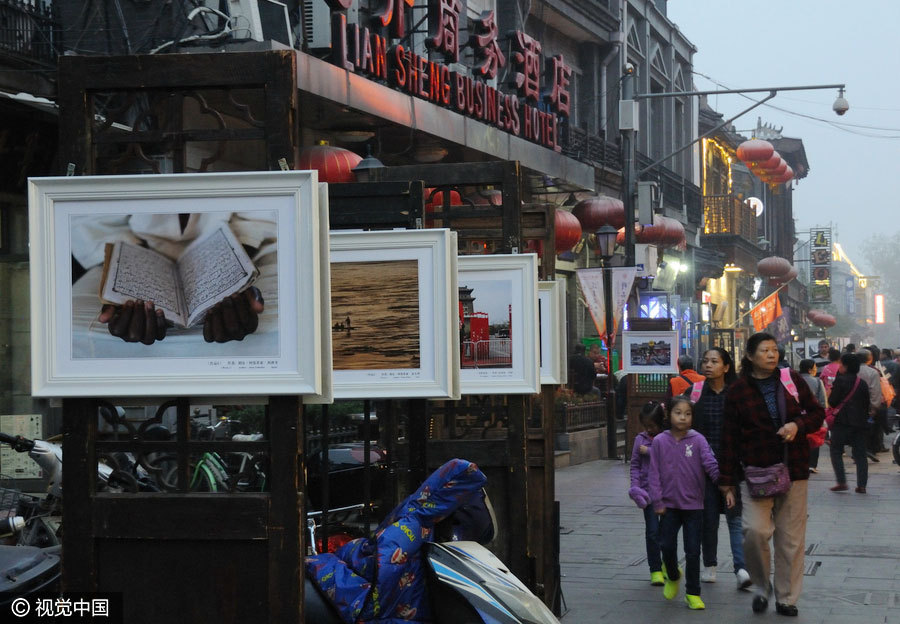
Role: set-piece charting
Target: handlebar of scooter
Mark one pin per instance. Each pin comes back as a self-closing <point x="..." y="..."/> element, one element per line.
<point x="18" y="443"/>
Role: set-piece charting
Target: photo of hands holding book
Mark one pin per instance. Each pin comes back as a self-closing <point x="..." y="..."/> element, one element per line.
<point x="195" y="281"/>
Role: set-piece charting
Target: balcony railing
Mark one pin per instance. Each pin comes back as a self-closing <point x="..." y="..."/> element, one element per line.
<point x="676" y="190"/>
<point x="580" y="145"/>
<point x="27" y="30"/>
<point x="726" y="214"/>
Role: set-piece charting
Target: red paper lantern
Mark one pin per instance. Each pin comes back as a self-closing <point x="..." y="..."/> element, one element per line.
<point x="334" y="164"/>
<point x="787" y="176"/>
<point x="773" y="266"/>
<point x="776" y="171"/>
<point x="813" y="314"/>
<point x="771" y="163"/>
<point x="755" y="151"/>
<point x="436" y="198"/>
<point x="595" y="212"/>
<point x="824" y="320"/>
<point x="672" y="231"/>
<point x="568" y="230"/>
<point x="784" y="279"/>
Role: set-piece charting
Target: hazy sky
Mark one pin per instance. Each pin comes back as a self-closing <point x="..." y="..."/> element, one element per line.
<point x="854" y="180"/>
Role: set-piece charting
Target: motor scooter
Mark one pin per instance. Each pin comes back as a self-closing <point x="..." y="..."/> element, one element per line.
<point x="32" y="563"/>
<point x="464" y="582"/>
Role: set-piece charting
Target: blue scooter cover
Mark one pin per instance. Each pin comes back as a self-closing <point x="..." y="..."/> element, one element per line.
<point x="383" y="580"/>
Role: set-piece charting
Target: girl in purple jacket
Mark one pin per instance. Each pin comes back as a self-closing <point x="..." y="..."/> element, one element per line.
<point x="680" y="461"/>
<point x="651" y="419"/>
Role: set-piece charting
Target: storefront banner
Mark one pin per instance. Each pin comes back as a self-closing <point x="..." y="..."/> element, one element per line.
<point x="591" y="283"/>
<point x="622" y="281"/>
<point x="766" y="312"/>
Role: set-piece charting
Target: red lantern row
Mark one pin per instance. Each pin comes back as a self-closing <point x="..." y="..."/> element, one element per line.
<point x="764" y="161"/>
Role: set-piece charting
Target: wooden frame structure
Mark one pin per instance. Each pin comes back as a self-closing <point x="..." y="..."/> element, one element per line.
<point x="127" y="115"/>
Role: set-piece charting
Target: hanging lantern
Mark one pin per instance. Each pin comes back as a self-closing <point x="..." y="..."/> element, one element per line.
<point x="673" y="231"/>
<point x="784" y="279"/>
<point x="824" y="320"/>
<point x="776" y="171"/>
<point x="813" y="314"/>
<point x="773" y="266"/>
<point x="435" y="199"/>
<point x="787" y="176"/>
<point x="755" y="151"/>
<point x="568" y="230"/>
<point x="595" y="212"/>
<point x="773" y="161"/>
<point x="334" y="164"/>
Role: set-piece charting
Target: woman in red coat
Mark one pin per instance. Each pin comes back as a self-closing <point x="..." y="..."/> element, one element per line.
<point x="767" y="417"/>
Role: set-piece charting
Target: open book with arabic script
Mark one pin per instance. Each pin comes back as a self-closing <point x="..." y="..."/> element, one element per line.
<point x="211" y="268"/>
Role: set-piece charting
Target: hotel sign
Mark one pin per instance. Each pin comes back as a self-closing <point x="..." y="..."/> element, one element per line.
<point x="365" y="49"/>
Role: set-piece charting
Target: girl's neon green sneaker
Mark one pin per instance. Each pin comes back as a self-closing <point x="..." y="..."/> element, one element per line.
<point x="670" y="587"/>
<point x="694" y="602"/>
<point x="657" y="579"/>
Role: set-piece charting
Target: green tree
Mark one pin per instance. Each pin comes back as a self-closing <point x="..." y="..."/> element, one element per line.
<point x="882" y="253"/>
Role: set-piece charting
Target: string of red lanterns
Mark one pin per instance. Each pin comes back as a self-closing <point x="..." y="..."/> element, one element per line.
<point x="767" y="164"/>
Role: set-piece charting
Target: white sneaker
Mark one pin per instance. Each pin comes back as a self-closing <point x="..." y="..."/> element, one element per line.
<point x="708" y="575"/>
<point x="743" y="578"/>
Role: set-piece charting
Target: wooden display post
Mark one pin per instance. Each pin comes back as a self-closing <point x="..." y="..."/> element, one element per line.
<point x="185" y="556"/>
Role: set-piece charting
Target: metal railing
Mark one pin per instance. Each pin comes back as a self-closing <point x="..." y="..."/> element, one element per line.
<point x="482" y="353"/>
<point x="581" y="416"/>
<point x="726" y="214"/>
<point x="28" y="31"/>
<point x="585" y="147"/>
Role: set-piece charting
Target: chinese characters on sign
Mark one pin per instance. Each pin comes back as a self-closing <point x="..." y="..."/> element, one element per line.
<point x="368" y="51"/>
<point x="488" y="55"/>
<point x="820" y="265"/>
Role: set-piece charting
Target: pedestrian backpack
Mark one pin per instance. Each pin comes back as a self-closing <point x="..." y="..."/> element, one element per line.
<point x="696" y="391"/>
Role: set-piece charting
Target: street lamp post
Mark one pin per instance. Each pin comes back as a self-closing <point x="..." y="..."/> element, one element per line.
<point x="628" y="126"/>
<point x="606" y="245"/>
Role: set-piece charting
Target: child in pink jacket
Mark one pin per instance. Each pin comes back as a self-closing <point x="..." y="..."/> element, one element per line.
<point x="651" y="418"/>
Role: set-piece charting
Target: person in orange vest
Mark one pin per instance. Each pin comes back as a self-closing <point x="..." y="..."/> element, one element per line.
<point x="685" y="378"/>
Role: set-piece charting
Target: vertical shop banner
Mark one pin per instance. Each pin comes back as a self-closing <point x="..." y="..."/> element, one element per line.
<point x="591" y="283"/>
<point x="622" y="281"/>
<point x="781" y="327"/>
<point x="766" y="312"/>
<point x="820" y="265"/>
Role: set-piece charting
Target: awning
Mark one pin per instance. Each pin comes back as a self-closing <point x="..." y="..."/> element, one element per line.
<point x="346" y="89"/>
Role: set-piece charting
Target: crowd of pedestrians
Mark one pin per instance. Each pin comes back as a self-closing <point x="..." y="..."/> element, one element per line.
<point x="742" y="443"/>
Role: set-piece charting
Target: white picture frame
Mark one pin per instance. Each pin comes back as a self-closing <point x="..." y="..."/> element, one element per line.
<point x="489" y="286"/>
<point x="327" y="395"/>
<point x="275" y="214"/>
<point x="552" y="320"/>
<point x="395" y="293"/>
<point x="650" y="352"/>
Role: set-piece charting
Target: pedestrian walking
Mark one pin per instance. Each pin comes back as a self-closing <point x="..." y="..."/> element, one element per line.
<point x="770" y="411"/>
<point x="808" y="369"/>
<point x="848" y="416"/>
<point x="680" y="461"/>
<point x="708" y="398"/>
<point x="651" y="419"/>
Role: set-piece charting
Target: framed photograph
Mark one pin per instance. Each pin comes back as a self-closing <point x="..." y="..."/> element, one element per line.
<point x="393" y="313"/>
<point x="176" y="285"/>
<point x="552" y="319"/>
<point x="327" y="395"/>
<point x="650" y="352"/>
<point x="498" y="325"/>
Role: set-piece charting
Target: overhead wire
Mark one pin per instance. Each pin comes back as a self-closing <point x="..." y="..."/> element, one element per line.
<point x="837" y="125"/>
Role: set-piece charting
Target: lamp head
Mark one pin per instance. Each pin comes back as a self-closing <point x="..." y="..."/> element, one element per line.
<point x="840" y="105"/>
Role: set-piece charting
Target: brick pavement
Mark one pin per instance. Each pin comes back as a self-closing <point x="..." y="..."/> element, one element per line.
<point x="852" y="563"/>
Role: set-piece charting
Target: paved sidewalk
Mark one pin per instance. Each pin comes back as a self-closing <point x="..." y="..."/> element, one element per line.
<point x="852" y="544"/>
